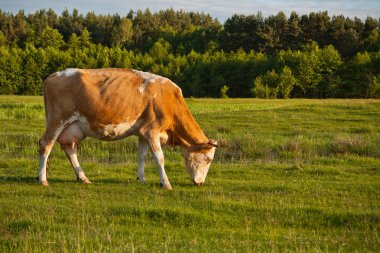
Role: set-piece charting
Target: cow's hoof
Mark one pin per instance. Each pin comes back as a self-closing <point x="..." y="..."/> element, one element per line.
<point x="143" y="181"/>
<point x="44" y="183"/>
<point x="84" y="180"/>
<point x="167" y="187"/>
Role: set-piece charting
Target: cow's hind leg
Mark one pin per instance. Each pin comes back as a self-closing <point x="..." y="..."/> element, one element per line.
<point x="69" y="140"/>
<point x="46" y="144"/>
<point x="71" y="152"/>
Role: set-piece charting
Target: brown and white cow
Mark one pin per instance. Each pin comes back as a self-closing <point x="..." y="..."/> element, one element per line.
<point x="111" y="104"/>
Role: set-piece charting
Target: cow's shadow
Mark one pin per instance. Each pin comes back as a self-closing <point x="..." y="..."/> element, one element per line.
<point x="34" y="180"/>
<point x="29" y="180"/>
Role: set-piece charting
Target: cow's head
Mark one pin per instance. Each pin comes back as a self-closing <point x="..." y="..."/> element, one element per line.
<point x="198" y="160"/>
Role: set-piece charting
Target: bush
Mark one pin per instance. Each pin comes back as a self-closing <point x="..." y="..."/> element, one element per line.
<point x="374" y="88"/>
<point x="223" y="91"/>
<point x="259" y="90"/>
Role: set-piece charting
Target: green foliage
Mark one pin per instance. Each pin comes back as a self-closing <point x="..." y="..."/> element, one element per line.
<point x="300" y="56"/>
<point x="224" y="91"/>
<point x="50" y="37"/>
<point x="10" y="70"/>
<point x="374" y="88"/>
<point x="286" y="82"/>
<point x="73" y="41"/>
<point x="122" y="32"/>
<point x="273" y="85"/>
<point x="372" y="42"/>
<point x="270" y="80"/>
<point x="260" y="90"/>
<point x="160" y="50"/>
<point x="2" y="39"/>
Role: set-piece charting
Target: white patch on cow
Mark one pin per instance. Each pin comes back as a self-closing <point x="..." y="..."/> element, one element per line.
<point x="159" y="155"/>
<point x="114" y="130"/>
<point x="68" y="72"/>
<point x="80" y="117"/>
<point x="110" y="131"/>
<point x="42" y="168"/>
<point x="151" y="78"/>
<point x="65" y="123"/>
<point x="163" y="138"/>
<point x="143" y="86"/>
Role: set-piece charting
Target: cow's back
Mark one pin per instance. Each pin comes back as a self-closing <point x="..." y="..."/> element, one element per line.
<point x="107" y="96"/>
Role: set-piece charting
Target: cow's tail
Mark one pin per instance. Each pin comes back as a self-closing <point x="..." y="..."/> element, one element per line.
<point x="46" y="115"/>
<point x="45" y="101"/>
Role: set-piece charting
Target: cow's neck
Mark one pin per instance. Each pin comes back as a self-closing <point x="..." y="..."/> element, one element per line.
<point x="188" y="131"/>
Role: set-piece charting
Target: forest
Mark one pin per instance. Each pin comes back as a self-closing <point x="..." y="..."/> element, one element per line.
<point x="279" y="56"/>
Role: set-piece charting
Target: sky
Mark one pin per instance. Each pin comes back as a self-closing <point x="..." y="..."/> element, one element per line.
<point x="222" y="9"/>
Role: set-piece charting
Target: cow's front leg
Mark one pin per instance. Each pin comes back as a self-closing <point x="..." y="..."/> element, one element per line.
<point x="143" y="151"/>
<point x="158" y="155"/>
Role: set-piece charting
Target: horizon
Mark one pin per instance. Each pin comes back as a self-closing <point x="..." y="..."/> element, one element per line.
<point x="221" y="10"/>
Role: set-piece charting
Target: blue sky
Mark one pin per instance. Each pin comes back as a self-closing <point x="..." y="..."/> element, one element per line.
<point x="222" y="9"/>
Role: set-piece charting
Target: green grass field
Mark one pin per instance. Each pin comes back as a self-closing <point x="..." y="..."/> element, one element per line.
<point x="290" y="176"/>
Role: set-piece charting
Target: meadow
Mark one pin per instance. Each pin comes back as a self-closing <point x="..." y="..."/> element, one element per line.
<point x="289" y="176"/>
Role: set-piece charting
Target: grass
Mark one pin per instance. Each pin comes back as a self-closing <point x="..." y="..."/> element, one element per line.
<point x="290" y="176"/>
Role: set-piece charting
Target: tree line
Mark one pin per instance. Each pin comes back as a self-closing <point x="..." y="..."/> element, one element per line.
<point x="313" y="56"/>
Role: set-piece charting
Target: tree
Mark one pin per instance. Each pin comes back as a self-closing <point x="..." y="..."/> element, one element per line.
<point x="294" y="34"/>
<point x="374" y="88"/>
<point x="274" y="34"/>
<point x="286" y="82"/>
<point x="160" y="50"/>
<point x="372" y="42"/>
<point x="266" y="86"/>
<point x="21" y="28"/>
<point x="32" y="78"/>
<point x="74" y="41"/>
<point x="329" y="65"/>
<point x="10" y="70"/>
<point x="122" y="32"/>
<point x="357" y="75"/>
<point x="260" y="90"/>
<point x="243" y="32"/>
<point x="2" y="39"/>
<point x="307" y="56"/>
<point x="370" y="25"/>
<point x="50" y="37"/>
<point x="224" y="91"/>
<point x="85" y="38"/>
<point x="70" y="23"/>
<point x="308" y="74"/>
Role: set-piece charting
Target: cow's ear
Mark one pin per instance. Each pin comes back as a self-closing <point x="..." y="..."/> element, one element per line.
<point x="213" y="143"/>
<point x="203" y="146"/>
<point x="198" y="147"/>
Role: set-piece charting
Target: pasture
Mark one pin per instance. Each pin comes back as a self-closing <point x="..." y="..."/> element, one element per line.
<point x="290" y="175"/>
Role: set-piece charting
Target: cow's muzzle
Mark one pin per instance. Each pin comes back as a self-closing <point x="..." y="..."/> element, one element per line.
<point x="198" y="183"/>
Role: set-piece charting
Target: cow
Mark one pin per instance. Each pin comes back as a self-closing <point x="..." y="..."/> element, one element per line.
<point x="111" y="104"/>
